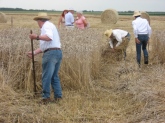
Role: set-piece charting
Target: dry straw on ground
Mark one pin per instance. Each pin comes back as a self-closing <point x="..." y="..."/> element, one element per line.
<point x="3" y="18"/>
<point x="109" y="16"/>
<point x="146" y="16"/>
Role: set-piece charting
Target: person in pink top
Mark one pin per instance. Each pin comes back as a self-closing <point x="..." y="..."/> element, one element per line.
<point x="80" y="22"/>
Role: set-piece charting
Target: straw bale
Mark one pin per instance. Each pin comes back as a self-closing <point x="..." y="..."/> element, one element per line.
<point x="146" y="16"/>
<point x="158" y="47"/>
<point x="109" y="16"/>
<point x="3" y="18"/>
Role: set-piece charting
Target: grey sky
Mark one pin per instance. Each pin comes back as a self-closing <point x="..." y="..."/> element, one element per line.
<point x="96" y="5"/>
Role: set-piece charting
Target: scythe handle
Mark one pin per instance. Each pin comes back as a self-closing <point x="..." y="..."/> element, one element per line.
<point x="34" y="78"/>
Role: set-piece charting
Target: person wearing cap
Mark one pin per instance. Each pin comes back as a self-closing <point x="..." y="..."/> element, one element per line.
<point x="142" y="33"/>
<point x="50" y="46"/>
<point x="80" y="22"/>
<point x="69" y="19"/>
<point x="121" y="36"/>
<point x="61" y="21"/>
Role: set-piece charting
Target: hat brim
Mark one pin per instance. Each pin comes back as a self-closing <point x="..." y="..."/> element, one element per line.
<point x="136" y="15"/>
<point x="41" y="17"/>
<point x="109" y="33"/>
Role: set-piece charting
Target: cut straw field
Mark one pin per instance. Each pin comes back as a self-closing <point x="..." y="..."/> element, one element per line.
<point x="97" y="86"/>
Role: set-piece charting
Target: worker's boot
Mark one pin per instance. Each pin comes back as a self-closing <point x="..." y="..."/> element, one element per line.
<point x="145" y="59"/>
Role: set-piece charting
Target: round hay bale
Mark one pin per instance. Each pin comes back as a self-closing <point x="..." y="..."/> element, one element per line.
<point x="3" y="18"/>
<point x="109" y="16"/>
<point x="145" y="15"/>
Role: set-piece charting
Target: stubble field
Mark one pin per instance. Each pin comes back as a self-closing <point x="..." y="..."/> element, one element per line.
<point x="97" y="86"/>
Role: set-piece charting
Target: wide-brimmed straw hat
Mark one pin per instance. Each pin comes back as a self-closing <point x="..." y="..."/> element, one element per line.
<point x="42" y="15"/>
<point x="136" y="13"/>
<point x="108" y="33"/>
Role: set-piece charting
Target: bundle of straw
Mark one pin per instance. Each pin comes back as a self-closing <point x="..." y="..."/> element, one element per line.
<point x="158" y="47"/>
<point x="3" y="18"/>
<point x="119" y="51"/>
<point x="109" y="16"/>
<point x="145" y="15"/>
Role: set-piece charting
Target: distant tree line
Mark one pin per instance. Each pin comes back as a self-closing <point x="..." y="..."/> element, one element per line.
<point x="85" y="11"/>
<point x="150" y="13"/>
<point x="20" y="9"/>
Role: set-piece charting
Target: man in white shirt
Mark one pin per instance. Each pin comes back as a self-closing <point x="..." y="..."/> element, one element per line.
<point x="142" y="33"/>
<point x="69" y="19"/>
<point x="121" y="36"/>
<point x="50" y="46"/>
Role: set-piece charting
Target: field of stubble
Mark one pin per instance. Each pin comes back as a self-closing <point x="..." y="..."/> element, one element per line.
<point x="97" y="88"/>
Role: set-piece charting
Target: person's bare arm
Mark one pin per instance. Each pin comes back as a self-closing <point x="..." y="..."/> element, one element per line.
<point x="35" y="52"/>
<point x="137" y="41"/>
<point x="85" y="22"/>
<point x="59" y="22"/>
<point x="40" y="37"/>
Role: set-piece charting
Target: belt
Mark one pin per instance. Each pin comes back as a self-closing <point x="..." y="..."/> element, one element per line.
<point x="142" y="34"/>
<point x="69" y="25"/>
<point x="52" y="49"/>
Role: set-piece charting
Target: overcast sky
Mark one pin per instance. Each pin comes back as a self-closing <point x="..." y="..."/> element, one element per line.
<point x="96" y="5"/>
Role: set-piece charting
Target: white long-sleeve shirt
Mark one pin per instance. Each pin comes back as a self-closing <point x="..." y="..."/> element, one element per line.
<point x="141" y="26"/>
<point x="118" y="34"/>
